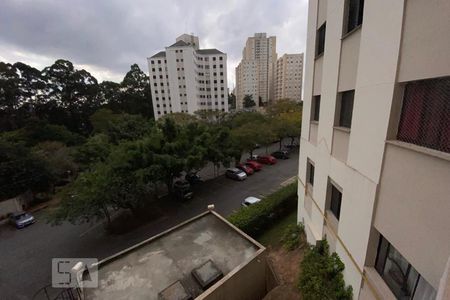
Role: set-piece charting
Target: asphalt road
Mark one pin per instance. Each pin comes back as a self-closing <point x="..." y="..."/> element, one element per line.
<point x="25" y="255"/>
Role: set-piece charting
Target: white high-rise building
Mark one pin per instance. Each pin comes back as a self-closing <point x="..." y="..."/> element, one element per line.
<point x="374" y="166"/>
<point x="289" y="76"/>
<point x="256" y="71"/>
<point x="185" y="78"/>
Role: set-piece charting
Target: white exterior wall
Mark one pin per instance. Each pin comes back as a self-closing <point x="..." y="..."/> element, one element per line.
<point x="255" y="74"/>
<point x="394" y="39"/>
<point x="184" y="85"/>
<point x="289" y="76"/>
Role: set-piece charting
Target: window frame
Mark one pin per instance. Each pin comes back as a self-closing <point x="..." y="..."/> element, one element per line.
<point x="320" y="40"/>
<point x="346" y="105"/>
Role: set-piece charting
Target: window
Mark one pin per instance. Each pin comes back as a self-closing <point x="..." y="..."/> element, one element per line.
<point x="159" y="62"/>
<point x="336" y="199"/>
<point x="214" y="58"/>
<point x="315" y="108"/>
<point x="424" y="119"/>
<point x="310" y="173"/>
<point x="220" y="58"/>
<point x="354" y="10"/>
<point x="320" y="44"/>
<point x="401" y="277"/>
<point x="346" y="108"/>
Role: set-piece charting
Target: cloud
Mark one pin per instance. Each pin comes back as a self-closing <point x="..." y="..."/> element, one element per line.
<point x="106" y="37"/>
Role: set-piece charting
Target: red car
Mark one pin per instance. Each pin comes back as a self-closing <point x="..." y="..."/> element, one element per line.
<point x="245" y="168"/>
<point x="267" y="159"/>
<point x="256" y="166"/>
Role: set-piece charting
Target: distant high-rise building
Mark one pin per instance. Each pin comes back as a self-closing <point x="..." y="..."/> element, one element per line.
<point x="374" y="165"/>
<point x="288" y="78"/>
<point x="185" y="78"/>
<point x="255" y="73"/>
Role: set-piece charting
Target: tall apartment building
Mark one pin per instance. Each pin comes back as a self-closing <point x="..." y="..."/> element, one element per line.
<point x="288" y="77"/>
<point x="185" y="78"/>
<point x="374" y="167"/>
<point x="256" y="71"/>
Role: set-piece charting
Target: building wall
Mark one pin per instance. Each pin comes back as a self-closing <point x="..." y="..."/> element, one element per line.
<point x="256" y="71"/>
<point x="375" y="176"/>
<point x="288" y="78"/>
<point x="188" y="76"/>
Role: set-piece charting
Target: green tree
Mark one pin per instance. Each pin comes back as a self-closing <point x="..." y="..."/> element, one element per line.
<point x="96" y="149"/>
<point x="21" y="171"/>
<point x="248" y="101"/>
<point x="58" y="157"/>
<point x="321" y="276"/>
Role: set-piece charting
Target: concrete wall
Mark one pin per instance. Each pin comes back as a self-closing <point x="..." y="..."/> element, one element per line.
<point x="426" y="40"/>
<point x="247" y="282"/>
<point x="349" y="61"/>
<point x="413" y="208"/>
<point x="341" y="138"/>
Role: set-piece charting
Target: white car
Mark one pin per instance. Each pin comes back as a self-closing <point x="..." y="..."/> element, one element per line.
<point x="250" y="201"/>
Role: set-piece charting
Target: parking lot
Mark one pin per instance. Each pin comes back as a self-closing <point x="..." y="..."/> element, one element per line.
<point x="25" y="263"/>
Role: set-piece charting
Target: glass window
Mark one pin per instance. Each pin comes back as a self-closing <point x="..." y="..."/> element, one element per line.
<point x="346" y="109"/>
<point x="310" y="171"/>
<point x="316" y="108"/>
<point x="320" y="45"/>
<point x="401" y="277"/>
<point x="425" y="120"/>
<point x="336" y="200"/>
<point x="354" y="10"/>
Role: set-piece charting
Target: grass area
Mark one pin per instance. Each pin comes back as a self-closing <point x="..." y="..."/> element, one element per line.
<point x="272" y="236"/>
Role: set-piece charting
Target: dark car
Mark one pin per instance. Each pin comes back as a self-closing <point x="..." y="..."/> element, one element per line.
<point x="236" y="174"/>
<point x="256" y="166"/>
<point x="182" y="190"/>
<point x="247" y="170"/>
<point x="267" y="159"/>
<point x="193" y="178"/>
<point x="21" y="219"/>
<point x="282" y="154"/>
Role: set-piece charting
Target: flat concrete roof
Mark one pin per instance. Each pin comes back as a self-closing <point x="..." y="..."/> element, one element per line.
<point x="146" y="269"/>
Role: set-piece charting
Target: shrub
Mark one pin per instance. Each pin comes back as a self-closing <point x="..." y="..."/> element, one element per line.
<point x="293" y="236"/>
<point x="321" y="276"/>
<point x="254" y="219"/>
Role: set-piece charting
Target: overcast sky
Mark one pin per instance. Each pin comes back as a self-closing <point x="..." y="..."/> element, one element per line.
<point x="106" y="36"/>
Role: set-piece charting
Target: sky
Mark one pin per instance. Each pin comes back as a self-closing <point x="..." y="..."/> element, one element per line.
<point x="106" y="37"/>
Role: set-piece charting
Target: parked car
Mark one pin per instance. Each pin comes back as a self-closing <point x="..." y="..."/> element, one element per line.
<point x="292" y="146"/>
<point x="250" y="201"/>
<point x="182" y="190"/>
<point x="21" y="219"/>
<point x="281" y="154"/>
<point x="253" y="157"/>
<point x="236" y="174"/>
<point x="256" y="166"/>
<point x="246" y="169"/>
<point x="193" y="178"/>
<point x="267" y="159"/>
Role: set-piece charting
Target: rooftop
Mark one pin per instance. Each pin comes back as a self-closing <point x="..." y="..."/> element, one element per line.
<point x="159" y="54"/>
<point x="209" y="51"/>
<point x="179" y="43"/>
<point x="182" y="259"/>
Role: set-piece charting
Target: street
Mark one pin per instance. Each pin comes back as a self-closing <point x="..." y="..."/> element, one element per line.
<point x="25" y="255"/>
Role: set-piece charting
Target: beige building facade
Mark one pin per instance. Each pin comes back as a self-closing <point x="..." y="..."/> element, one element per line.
<point x="374" y="167"/>
<point x="185" y="78"/>
<point x="289" y="77"/>
<point x="256" y="72"/>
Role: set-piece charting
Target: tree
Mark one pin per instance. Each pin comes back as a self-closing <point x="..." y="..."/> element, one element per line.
<point x="321" y="276"/>
<point x="58" y="158"/>
<point x="96" y="149"/>
<point x="135" y="95"/>
<point x="21" y="171"/>
<point x="248" y="101"/>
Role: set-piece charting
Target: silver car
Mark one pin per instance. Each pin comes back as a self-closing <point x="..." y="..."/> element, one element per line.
<point x="236" y="174"/>
<point x="21" y="219"/>
<point x="250" y="201"/>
